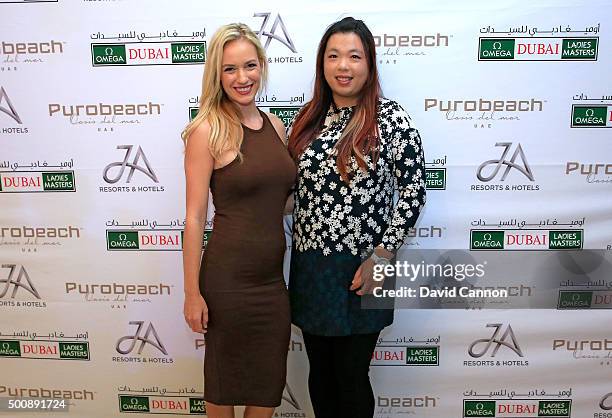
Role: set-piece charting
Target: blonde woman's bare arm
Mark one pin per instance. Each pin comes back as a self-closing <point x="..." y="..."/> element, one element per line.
<point x="199" y="164"/>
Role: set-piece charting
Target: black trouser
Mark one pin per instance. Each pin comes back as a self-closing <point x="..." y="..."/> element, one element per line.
<point x="338" y="382"/>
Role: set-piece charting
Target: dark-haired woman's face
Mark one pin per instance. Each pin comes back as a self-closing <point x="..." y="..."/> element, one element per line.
<point x="345" y="67"/>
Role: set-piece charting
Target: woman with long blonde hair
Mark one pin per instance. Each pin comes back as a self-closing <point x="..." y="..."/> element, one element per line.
<point x="235" y="292"/>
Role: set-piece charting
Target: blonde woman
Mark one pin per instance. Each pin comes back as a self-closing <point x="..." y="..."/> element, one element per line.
<point x="236" y="294"/>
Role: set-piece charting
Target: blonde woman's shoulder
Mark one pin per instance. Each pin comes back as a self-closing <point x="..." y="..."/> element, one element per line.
<point x="197" y="143"/>
<point x="279" y="127"/>
<point x="201" y="132"/>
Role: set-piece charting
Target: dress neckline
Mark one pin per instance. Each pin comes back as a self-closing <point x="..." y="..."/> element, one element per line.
<point x="263" y="123"/>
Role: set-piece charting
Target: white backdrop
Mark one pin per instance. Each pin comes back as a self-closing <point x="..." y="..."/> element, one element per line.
<point x="94" y="94"/>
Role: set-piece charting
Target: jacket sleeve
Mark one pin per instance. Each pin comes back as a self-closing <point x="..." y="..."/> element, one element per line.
<point x="409" y="174"/>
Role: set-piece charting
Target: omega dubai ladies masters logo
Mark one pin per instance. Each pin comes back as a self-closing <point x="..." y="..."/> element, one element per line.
<point x="525" y="43"/>
<point x="148" y="53"/>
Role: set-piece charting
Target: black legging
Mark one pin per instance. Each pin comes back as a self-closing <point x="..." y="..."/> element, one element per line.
<point x="338" y="382"/>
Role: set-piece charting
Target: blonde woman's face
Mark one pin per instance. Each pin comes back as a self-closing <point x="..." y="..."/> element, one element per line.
<point x="240" y="71"/>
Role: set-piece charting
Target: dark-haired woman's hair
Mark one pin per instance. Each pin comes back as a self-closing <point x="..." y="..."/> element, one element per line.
<point x="360" y="137"/>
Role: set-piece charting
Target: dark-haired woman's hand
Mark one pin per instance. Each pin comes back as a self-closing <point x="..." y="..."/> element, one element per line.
<point x="363" y="281"/>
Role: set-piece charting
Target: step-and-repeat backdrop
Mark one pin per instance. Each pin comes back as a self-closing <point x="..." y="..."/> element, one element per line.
<point x="514" y="105"/>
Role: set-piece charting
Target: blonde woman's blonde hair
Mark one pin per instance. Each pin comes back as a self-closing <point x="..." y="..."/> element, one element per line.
<point x="215" y="107"/>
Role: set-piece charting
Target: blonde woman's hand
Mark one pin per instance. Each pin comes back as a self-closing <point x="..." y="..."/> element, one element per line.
<point x="195" y="311"/>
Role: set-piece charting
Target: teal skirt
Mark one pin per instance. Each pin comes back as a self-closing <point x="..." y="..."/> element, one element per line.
<point x="321" y="302"/>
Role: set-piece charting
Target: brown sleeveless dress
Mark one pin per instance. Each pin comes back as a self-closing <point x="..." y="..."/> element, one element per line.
<point x="241" y="276"/>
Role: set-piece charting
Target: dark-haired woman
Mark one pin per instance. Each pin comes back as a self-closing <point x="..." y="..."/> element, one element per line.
<point x="353" y="149"/>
